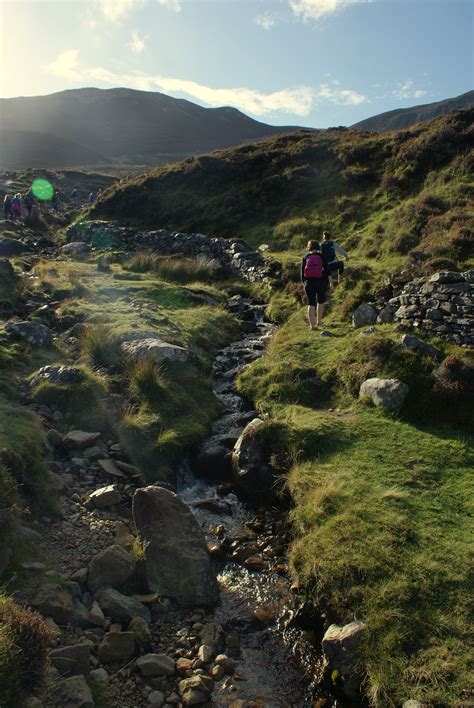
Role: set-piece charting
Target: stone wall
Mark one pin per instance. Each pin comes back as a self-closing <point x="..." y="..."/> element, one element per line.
<point x="232" y="256"/>
<point x="441" y="305"/>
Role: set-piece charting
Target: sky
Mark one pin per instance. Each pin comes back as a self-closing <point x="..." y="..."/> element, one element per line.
<point x="315" y="63"/>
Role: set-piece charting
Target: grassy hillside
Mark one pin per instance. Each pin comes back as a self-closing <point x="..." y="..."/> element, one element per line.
<point x="393" y="198"/>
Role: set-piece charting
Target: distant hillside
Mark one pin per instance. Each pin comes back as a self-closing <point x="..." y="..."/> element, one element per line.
<point x="404" y="117"/>
<point x="94" y="126"/>
<point x="385" y="196"/>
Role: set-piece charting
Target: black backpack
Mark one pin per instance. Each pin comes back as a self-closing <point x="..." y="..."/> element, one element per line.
<point x="327" y="249"/>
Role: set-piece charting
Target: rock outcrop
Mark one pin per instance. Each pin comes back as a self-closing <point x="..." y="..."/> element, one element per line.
<point x="341" y="646"/>
<point x="177" y="561"/>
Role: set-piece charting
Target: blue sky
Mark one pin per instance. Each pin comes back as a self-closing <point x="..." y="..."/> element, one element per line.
<point x="305" y="62"/>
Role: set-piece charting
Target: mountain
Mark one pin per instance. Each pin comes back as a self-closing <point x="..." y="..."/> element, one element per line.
<point x="404" y="117"/>
<point x="92" y="126"/>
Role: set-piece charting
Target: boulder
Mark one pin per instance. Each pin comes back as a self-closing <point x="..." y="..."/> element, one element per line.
<point x="213" y="460"/>
<point x="341" y="646"/>
<point x="109" y="467"/>
<point x="71" y="660"/>
<point x="364" y="315"/>
<point x="151" y="665"/>
<point x="117" y="647"/>
<point x="72" y="692"/>
<point x="141" y="630"/>
<point x="105" y="497"/>
<point x="156" y="698"/>
<point x="212" y="635"/>
<point x="387" y="393"/>
<point x="35" y="333"/>
<point x="120" y="607"/>
<point x="385" y="315"/>
<point x="54" y="601"/>
<point x="156" y="349"/>
<point x="11" y="247"/>
<point x="196" y="689"/>
<point x="447" y="276"/>
<point x="79" y="439"/>
<point x="177" y="562"/>
<point x="417" y="345"/>
<point x="251" y="472"/>
<point x="76" y="248"/>
<point x="111" y="567"/>
<point x="61" y="375"/>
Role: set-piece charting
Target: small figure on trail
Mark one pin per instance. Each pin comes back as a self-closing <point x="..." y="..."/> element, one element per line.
<point x="29" y="202"/>
<point x="316" y="280"/>
<point x="92" y="198"/>
<point x="55" y="201"/>
<point x="16" y="206"/>
<point x="75" y="195"/>
<point x="7" y="207"/>
<point x="329" y="249"/>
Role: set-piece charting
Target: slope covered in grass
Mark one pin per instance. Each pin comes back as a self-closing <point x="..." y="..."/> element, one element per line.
<point x="382" y="504"/>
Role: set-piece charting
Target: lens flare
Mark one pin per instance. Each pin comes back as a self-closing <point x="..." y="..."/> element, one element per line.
<point x="42" y="189"/>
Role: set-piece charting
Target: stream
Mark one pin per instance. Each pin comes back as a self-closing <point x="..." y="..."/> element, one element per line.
<point x="276" y="663"/>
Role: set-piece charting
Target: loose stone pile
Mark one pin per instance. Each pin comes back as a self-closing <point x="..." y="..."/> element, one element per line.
<point x="441" y="305"/>
<point x="219" y="253"/>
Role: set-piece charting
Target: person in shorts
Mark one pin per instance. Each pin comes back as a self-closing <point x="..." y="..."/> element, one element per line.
<point x="316" y="280"/>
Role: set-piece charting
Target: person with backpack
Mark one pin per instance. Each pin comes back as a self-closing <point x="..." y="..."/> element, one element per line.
<point x="29" y="202"/>
<point x="16" y="206"/>
<point x="329" y="249"/>
<point x="7" y="207"/>
<point x="316" y="279"/>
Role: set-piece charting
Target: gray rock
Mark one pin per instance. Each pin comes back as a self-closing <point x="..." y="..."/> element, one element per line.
<point x="156" y="698"/>
<point x="250" y="470"/>
<point x="364" y="315"/>
<point x="196" y="689"/>
<point x="111" y="567"/>
<point x="469" y="276"/>
<point x="117" y="647"/>
<point x="413" y="704"/>
<point x="71" y="693"/>
<point x="62" y="375"/>
<point x="54" y="601"/>
<point x="385" y="315"/>
<point x="120" y="607"/>
<point x="387" y="393"/>
<point x="35" y="333"/>
<point x="76" y="248"/>
<point x="96" y="615"/>
<point x="105" y="497"/>
<point x="155" y="349"/>
<point x="11" y="247"/>
<point x="156" y="665"/>
<point x="212" y="635"/>
<point x="109" y="467"/>
<point x="71" y="660"/>
<point x="79" y="439"/>
<point x="341" y="646"/>
<point x="99" y="675"/>
<point x="418" y="345"/>
<point x="177" y="562"/>
<point x="80" y="616"/>
<point x="446" y="277"/>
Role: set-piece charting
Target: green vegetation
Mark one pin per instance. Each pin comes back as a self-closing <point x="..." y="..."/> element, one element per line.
<point x="177" y="270"/>
<point x="382" y="504"/>
<point x="24" y="643"/>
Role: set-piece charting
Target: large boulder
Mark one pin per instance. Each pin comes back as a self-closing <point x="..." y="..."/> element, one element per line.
<point x="35" y="333"/>
<point x="61" y="375"/>
<point x="54" y="601"/>
<point x="341" y="647"/>
<point x="364" y="315"/>
<point x="72" y="692"/>
<point x="76" y="249"/>
<point x="156" y="349"/>
<point x="156" y="665"/>
<point x="390" y="394"/>
<point x="117" y="647"/>
<point x="251" y="472"/>
<point x="79" y="439"/>
<point x="121" y="607"/>
<point x="418" y="345"/>
<point x="71" y="660"/>
<point x="11" y="247"/>
<point x="105" y="497"/>
<point x="196" y="689"/>
<point x="111" y="567"/>
<point x="177" y="562"/>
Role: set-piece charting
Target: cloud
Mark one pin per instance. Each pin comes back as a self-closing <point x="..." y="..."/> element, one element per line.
<point x="344" y="97"/>
<point x="315" y="9"/>
<point x="266" y="21"/>
<point x="408" y="90"/>
<point x="116" y="10"/>
<point x="66" y="65"/>
<point x="174" y="5"/>
<point x="137" y="43"/>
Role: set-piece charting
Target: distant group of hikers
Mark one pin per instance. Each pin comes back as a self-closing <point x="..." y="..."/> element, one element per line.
<point x="13" y="205"/>
<point x="318" y="268"/>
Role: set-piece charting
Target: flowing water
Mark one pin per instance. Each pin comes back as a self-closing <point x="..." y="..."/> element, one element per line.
<point x="277" y="665"/>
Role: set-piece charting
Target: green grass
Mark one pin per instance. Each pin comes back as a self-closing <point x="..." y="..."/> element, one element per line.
<point x="382" y="503"/>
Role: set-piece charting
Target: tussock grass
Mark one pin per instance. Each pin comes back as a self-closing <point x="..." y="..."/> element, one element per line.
<point x="24" y="642"/>
<point x="147" y="380"/>
<point x="177" y="269"/>
<point x="102" y="348"/>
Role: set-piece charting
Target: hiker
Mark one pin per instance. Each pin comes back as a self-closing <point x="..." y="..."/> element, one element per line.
<point x="316" y="279"/>
<point x="16" y="206"/>
<point x="329" y="249"/>
<point x="55" y="201"/>
<point x="75" y="195"/>
<point x="7" y="207"/>
<point x="29" y="202"/>
<point x="92" y="198"/>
